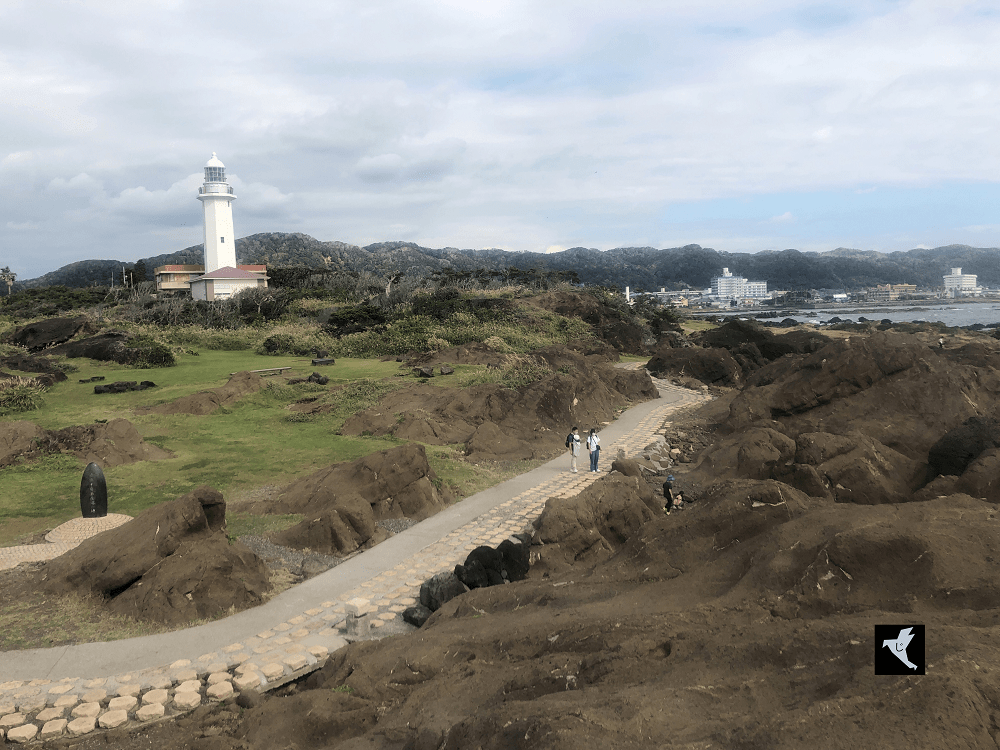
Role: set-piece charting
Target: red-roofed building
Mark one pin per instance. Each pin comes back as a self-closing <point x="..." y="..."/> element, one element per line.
<point x="224" y="282"/>
<point x="178" y="278"/>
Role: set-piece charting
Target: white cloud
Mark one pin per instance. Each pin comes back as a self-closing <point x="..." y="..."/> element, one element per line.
<point x="501" y="123"/>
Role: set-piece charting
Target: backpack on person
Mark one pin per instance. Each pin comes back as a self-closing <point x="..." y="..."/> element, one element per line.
<point x="569" y="440"/>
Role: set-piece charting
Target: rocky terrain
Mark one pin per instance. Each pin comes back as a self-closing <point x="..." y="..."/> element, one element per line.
<point x="846" y="483"/>
<point x="497" y="423"/>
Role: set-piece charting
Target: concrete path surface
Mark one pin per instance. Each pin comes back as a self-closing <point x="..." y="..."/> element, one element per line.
<point x="293" y="633"/>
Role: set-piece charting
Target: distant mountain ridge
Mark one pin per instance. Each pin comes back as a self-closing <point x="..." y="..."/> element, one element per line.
<point x="641" y="268"/>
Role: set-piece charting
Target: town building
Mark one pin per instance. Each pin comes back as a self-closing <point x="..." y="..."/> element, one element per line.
<point x="730" y="287"/>
<point x="957" y="284"/>
<point x="890" y="292"/>
<point x="219" y="277"/>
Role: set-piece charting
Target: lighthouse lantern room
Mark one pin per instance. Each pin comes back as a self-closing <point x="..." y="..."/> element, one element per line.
<point x="217" y="198"/>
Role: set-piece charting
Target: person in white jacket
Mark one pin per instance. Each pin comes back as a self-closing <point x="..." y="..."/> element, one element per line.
<point x="594" y="446"/>
<point x="574" y="449"/>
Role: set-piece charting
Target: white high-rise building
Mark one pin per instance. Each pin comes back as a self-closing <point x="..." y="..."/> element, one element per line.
<point x="957" y="282"/>
<point x="728" y="286"/>
<point x="217" y="198"/>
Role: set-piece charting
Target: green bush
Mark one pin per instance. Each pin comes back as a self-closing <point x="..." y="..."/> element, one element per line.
<point x="285" y="343"/>
<point x="145" y="351"/>
<point x="20" y="394"/>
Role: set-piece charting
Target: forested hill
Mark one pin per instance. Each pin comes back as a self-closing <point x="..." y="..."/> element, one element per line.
<point x="638" y="267"/>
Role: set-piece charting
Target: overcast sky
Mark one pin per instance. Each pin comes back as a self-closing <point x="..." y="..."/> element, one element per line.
<point x="535" y="125"/>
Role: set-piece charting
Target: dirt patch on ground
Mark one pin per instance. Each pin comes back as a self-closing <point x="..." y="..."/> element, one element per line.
<point x="344" y="503"/>
<point x="496" y="423"/>
<point x="109" y="444"/>
<point x="171" y="564"/>
<point x="240" y="385"/>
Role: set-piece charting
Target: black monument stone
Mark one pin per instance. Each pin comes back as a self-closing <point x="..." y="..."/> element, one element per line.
<point x="93" y="492"/>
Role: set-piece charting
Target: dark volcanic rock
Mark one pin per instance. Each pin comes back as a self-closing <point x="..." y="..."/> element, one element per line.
<point x="171" y="564"/>
<point x="958" y="448"/>
<point x="46" y="333"/>
<point x="710" y="366"/>
<point x="343" y="502"/>
<point x="440" y="589"/>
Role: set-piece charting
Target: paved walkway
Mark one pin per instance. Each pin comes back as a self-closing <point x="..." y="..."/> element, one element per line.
<point x="73" y="689"/>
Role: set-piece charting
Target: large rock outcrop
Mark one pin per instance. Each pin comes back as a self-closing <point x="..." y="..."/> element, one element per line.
<point x="239" y="386"/>
<point x="171" y="564"/>
<point x="109" y="444"/>
<point x="499" y="423"/>
<point x="343" y="502"/>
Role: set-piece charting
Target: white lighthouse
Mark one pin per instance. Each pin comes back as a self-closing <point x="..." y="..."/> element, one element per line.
<point x="217" y="198"/>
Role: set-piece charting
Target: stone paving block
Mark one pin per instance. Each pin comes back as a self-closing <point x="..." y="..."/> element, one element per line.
<point x="235" y="659"/>
<point x="313" y="612"/>
<point x="83" y="725"/>
<point x="283" y="640"/>
<point x="208" y="658"/>
<point x="297" y="620"/>
<point x="94" y="696"/>
<point x="217" y="666"/>
<point x="265" y="635"/>
<point x="186" y="674"/>
<point x="95" y="683"/>
<point x="327" y="605"/>
<point x="133" y="689"/>
<point x="273" y="671"/>
<point x="300" y="633"/>
<point x="50" y="713"/>
<point x="217" y="677"/>
<point x="32" y="702"/>
<point x="86" y="710"/>
<point x="156" y="696"/>
<point x="7" y="708"/>
<point x="39" y="683"/>
<point x="180" y="664"/>
<point x="113" y="719"/>
<point x="188" y="699"/>
<point x="12" y="685"/>
<point x="282" y="627"/>
<point x="58" y="690"/>
<point x="159" y="681"/>
<point x="123" y="703"/>
<point x="247" y="666"/>
<point x="150" y="711"/>
<point x="233" y="648"/>
<point x="262" y="649"/>
<point x="189" y="686"/>
<point x="247" y="680"/>
<point x="320" y="652"/>
<point x="12" y="720"/>
<point x="52" y="729"/>
<point x="294" y="648"/>
<point x="220" y="691"/>
<point x="22" y="734"/>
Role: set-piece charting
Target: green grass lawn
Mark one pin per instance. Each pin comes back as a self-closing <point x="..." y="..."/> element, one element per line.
<point x="256" y="442"/>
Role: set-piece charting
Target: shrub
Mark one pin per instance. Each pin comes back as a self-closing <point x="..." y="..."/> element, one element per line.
<point x="19" y="394"/>
<point x="515" y="371"/>
<point x="145" y="351"/>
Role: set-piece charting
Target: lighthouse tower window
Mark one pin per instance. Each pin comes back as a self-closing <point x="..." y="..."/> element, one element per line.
<point x="222" y="240"/>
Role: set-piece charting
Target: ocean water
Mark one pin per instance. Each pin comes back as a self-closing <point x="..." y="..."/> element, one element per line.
<point x="951" y="314"/>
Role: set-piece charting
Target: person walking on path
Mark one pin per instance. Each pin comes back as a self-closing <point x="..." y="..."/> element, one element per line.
<point x="573" y="441"/>
<point x="594" y="446"/>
